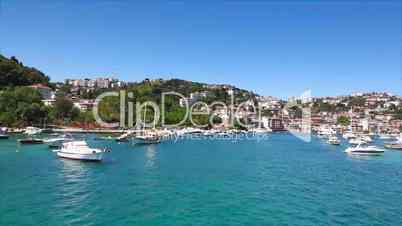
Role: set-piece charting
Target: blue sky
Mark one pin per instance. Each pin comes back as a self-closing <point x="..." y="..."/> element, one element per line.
<point x="278" y="48"/>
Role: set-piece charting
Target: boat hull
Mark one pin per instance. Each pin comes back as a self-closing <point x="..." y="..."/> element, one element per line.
<point x="82" y="157"/>
<point x="334" y="143"/>
<point x="394" y="146"/>
<point x="31" y="141"/>
<point x="351" y="151"/>
<point x="146" y="141"/>
<point x="365" y="153"/>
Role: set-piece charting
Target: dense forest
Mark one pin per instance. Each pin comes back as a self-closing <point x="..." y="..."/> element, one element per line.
<point x="14" y="73"/>
<point x="21" y="105"/>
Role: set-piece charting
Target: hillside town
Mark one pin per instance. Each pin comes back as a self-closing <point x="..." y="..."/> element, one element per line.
<point x="363" y="112"/>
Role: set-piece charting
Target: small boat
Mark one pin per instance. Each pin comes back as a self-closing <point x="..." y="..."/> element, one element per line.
<point x="3" y="133"/>
<point x="349" y="135"/>
<point x="322" y="136"/>
<point x="147" y="137"/>
<point x="259" y="131"/>
<point x="57" y="142"/>
<point x="79" y="150"/>
<point x="152" y="137"/>
<point x="357" y="141"/>
<point x="105" y="138"/>
<point x="394" y="146"/>
<point x="385" y="136"/>
<point x="367" y="139"/>
<point x="30" y="141"/>
<point x="32" y="130"/>
<point x="364" y="150"/>
<point x="124" y="137"/>
<point x="333" y="140"/>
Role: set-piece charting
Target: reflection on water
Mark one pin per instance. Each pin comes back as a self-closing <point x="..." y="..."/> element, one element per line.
<point x="150" y="154"/>
<point x="281" y="181"/>
<point x="364" y="157"/>
<point x="75" y="189"/>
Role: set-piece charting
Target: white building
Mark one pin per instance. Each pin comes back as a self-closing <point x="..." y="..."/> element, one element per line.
<point x="45" y="91"/>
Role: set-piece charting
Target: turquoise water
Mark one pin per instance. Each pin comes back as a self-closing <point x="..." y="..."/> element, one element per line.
<point x="278" y="181"/>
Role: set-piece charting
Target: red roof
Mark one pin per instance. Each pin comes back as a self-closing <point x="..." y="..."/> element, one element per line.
<point x="39" y="86"/>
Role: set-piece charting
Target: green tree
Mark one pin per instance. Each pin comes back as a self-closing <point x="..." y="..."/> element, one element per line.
<point x="109" y="109"/>
<point x="357" y="101"/>
<point x="14" y="73"/>
<point x="21" y="106"/>
<point x="64" y="110"/>
<point x="343" y="120"/>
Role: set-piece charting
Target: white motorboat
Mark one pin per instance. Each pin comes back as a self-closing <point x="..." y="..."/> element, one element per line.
<point x="367" y="139"/>
<point x="349" y="135"/>
<point x="79" y="150"/>
<point x="357" y="141"/>
<point x="57" y="142"/>
<point x="147" y="138"/>
<point x="324" y="132"/>
<point x="259" y="130"/>
<point x="3" y="133"/>
<point x="124" y="137"/>
<point x="385" y="136"/>
<point x="333" y="140"/>
<point x="32" y="130"/>
<point x="397" y="145"/>
<point x="364" y="150"/>
<point x="323" y="136"/>
<point x="30" y="140"/>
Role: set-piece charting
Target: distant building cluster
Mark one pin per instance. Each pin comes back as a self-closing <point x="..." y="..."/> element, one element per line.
<point x="77" y="85"/>
<point x="45" y="91"/>
<point x="194" y="97"/>
<point x="102" y="83"/>
<point x="367" y="112"/>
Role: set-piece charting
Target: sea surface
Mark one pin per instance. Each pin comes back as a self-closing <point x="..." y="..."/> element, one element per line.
<point x="280" y="180"/>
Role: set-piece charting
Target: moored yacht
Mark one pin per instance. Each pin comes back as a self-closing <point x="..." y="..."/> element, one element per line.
<point x="324" y="132"/>
<point x="397" y="145"/>
<point x="32" y="130"/>
<point x="364" y="150"/>
<point x="124" y="137"/>
<point x="3" y="133"/>
<point x="30" y="141"/>
<point x="349" y="135"/>
<point x="260" y="130"/>
<point x="385" y="136"/>
<point x="79" y="150"/>
<point x="367" y="139"/>
<point x="147" y="137"/>
<point x="57" y="142"/>
<point x="357" y="141"/>
<point x="333" y="140"/>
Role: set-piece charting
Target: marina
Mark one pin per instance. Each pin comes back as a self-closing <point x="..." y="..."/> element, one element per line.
<point x="244" y="113"/>
<point x="185" y="173"/>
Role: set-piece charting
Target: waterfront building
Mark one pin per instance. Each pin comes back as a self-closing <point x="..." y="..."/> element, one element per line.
<point x="276" y="124"/>
<point x="83" y="104"/>
<point x="45" y="91"/>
